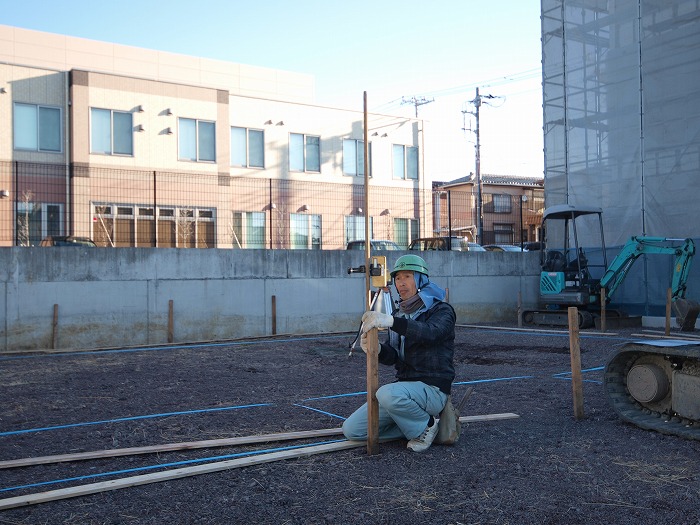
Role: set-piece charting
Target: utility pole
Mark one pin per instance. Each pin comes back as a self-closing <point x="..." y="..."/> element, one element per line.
<point x="416" y="101"/>
<point x="477" y="157"/>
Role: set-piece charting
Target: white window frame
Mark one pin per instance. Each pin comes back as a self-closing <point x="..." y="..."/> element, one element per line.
<point x="246" y="220"/>
<point x="305" y="153"/>
<point x="246" y="148"/>
<point x="197" y="132"/>
<point x="405" y="165"/>
<point x="355" y="228"/>
<point x="37" y="128"/>
<point x="111" y="151"/>
<point x="405" y="231"/>
<point x="354" y="158"/>
<point x="43" y="208"/>
<point x="144" y="213"/>
<point x="312" y="229"/>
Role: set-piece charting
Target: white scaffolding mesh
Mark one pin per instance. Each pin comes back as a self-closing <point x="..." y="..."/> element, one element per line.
<point x="621" y="91"/>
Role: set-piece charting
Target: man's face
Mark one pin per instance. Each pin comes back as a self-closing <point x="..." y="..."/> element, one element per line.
<point x="405" y="284"/>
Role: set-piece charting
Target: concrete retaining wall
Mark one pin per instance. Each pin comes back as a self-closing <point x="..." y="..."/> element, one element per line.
<point x="114" y="298"/>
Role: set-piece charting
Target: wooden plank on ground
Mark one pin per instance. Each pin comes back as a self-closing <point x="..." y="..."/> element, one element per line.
<point x="530" y="330"/>
<point x="144" y="479"/>
<point x="170" y="447"/>
<point x="209" y="443"/>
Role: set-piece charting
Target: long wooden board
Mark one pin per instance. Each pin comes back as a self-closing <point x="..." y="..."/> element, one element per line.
<point x="532" y="330"/>
<point x="169" y="447"/>
<point x="144" y="479"/>
<point x="104" y="486"/>
<point x="209" y="443"/>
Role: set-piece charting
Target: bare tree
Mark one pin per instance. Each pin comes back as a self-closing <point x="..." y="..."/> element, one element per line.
<point x="23" y="220"/>
<point x="185" y="228"/>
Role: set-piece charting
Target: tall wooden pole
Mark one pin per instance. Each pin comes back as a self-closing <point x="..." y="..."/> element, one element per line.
<point x="373" y="350"/>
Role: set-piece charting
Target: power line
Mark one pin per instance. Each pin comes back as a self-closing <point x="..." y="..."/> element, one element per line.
<point x="497" y="81"/>
<point x="416" y="101"/>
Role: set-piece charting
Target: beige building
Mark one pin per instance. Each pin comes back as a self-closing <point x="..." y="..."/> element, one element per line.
<point x="137" y="147"/>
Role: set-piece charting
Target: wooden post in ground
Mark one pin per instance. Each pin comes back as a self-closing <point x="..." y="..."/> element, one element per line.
<point x="54" y="328"/>
<point x="602" y="309"/>
<point x="668" y="312"/>
<point x="520" y="309"/>
<point x="372" y="386"/>
<point x="274" y="315"/>
<point x="171" y="328"/>
<point x="575" y="351"/>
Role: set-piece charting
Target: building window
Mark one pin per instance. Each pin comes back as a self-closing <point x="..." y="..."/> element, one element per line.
<point x="128" y="226"/>
<point x="497" y="203"/>
<point x="305" y="231"/>
<point x="112" y="132"/>
<point x="37" y="128"/>
<point x="247" y="148"/>
<point x="405" y="230"/>
<point x="355" y="228"/>
<point x="196" y="140"/>
<point x="36" y="220"/>
<point x="405" y="162"/>
<point x="503" y="233"/>
<point x="247" y="230"/>
<point x="354" y="157"/>
<point x="304" y="152"/>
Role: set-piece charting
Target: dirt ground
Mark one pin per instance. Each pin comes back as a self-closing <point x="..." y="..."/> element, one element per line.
<point x="542" y="468"/>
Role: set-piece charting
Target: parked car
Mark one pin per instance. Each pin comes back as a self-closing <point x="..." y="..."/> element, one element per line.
<point x="459" y="244"/>
<point x="374" y="245"/>
<point x="502" y="248"/>
<point x="532" y="246"/>
<point x="67" y="240"/>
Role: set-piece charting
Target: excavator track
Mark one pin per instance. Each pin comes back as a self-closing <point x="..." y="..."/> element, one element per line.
<point x="656" y="387"/>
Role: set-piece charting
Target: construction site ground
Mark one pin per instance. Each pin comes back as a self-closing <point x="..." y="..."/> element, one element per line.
<point x="543" y="467"/>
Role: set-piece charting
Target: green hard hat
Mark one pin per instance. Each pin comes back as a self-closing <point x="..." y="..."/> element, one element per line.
<point x="412" y="263"/>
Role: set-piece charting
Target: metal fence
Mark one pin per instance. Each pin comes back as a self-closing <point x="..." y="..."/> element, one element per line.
<point x="136" y="208"/>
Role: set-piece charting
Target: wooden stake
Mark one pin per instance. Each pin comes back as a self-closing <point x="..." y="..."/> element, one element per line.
<point x="575" y="351"/>
<point x="274" y="315"/>
<point x="171" y="327"/>
<point x="54" y="328"/>
<point x="602" y="310"/>
<point x="668" y="311"/>
<point x="372" y="387"/>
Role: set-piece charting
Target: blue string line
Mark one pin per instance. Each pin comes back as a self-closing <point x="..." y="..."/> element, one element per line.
<point x="320" y="411"/>
<point x="121" y="419"/>
<point x="582" y="371"/>
<point x="491" y="380"/>
<point x="165" y="465"/>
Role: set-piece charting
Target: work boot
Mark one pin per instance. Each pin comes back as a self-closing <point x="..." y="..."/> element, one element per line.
<point x="426" y="438"/>
<point x="449" y="427"/>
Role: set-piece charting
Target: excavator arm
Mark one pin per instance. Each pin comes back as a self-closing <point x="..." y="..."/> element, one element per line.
<point x="687" y="311"/>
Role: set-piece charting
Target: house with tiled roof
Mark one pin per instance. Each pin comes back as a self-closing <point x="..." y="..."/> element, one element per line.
<point x="497" y="209"/>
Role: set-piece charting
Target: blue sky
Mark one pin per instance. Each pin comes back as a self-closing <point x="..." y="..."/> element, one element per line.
<point x="394" y="50"/>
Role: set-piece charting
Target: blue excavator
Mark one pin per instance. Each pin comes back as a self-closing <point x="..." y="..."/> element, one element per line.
<point x="568" y="277"/>
<point x="653" y="384"/>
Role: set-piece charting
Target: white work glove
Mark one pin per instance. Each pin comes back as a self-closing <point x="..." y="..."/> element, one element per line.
<point x="372" y="319"/>
<point x="364" y="342"/>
